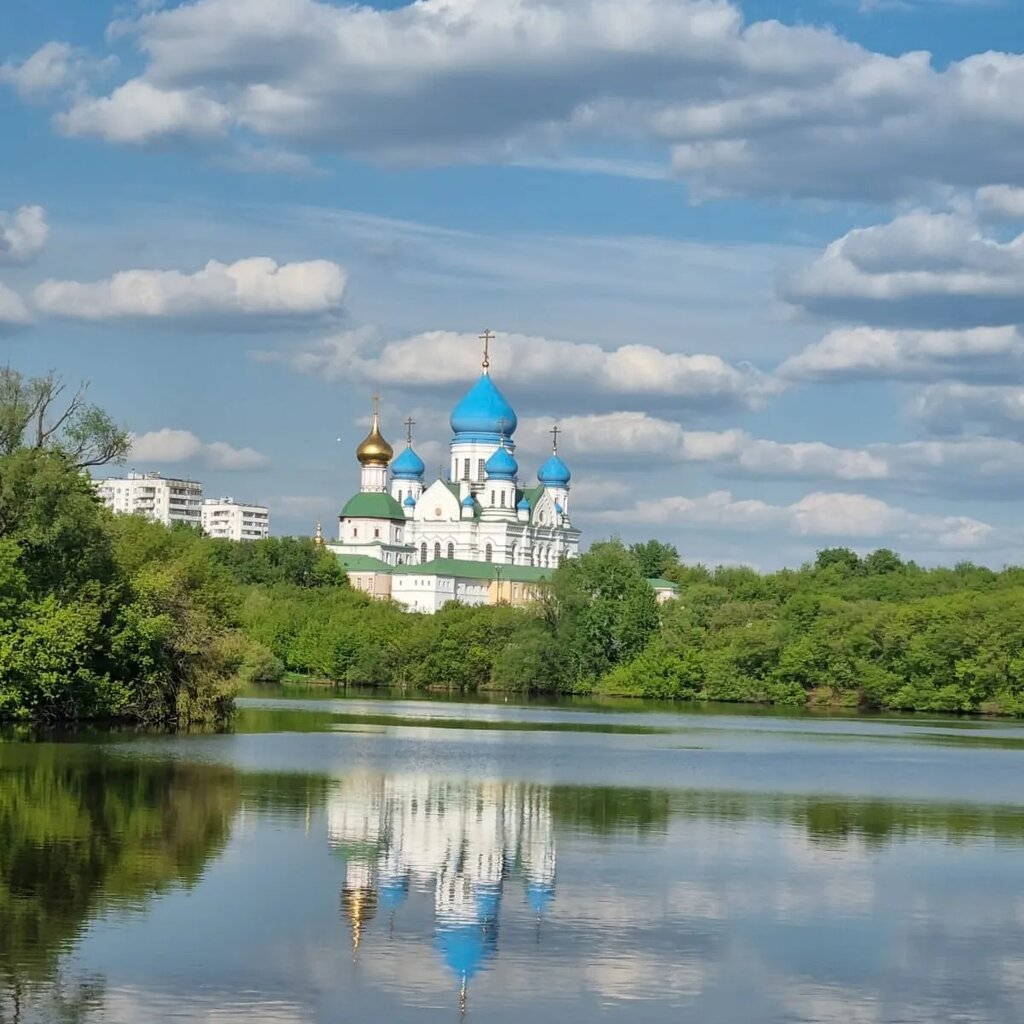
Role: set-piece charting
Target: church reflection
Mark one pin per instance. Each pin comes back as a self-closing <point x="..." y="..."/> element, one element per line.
<point x="466" y="842"/>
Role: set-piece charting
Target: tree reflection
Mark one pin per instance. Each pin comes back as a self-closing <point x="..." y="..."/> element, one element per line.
<point x="82" y="832"/>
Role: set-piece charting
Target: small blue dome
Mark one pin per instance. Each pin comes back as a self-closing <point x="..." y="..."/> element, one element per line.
<point x="408" y="466"/>
<point x="554" y="473"/>
<point x="467" y="501"/>
<point x="410" y="501"/>
<point x="523" y="506"/>
<point x="539" y="896"/>
<point x="484" y="410"/>
<point x="501" y="465"/>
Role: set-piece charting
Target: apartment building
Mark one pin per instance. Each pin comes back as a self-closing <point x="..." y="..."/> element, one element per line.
<point x="235" y="520"/>
<point x="163" y="499"/>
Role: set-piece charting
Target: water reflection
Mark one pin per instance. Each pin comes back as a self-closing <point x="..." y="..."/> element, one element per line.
<point x="163" y="880"/>
<point x="462" y="842"/>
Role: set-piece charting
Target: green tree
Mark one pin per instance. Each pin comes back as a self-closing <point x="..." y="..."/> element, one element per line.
<point x="654" y="557"/>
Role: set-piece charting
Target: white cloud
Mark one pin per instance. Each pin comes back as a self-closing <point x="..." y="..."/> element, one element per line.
<point x="23" y="234"/>
<point x="52" y="68"/>
<point x="1001" y="201"/>
<point x="269" y="160"/>
<point x="170" y="445"/>
<point x="760" y="108"/>
<point x="821" y="514"/>
<point x="632" y="439"/>
<point x="14" y="313"/>
<point x="251" y="289"/>
<point x="862" y="353"/>
<point x="446" y="360"/>
<point x="922" y="269"/>
<point x="138" y="112"/>
<point x="951" y="407"/>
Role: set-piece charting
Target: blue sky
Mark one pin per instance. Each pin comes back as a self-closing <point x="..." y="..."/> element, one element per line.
<point x="760" y="260"/>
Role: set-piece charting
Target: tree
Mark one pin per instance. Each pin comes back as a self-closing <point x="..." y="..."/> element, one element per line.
<point x="654" y="557"/>
<point x="39" y="413"/>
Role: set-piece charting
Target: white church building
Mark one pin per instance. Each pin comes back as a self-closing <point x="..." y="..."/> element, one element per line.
<point x="482" y="512"/>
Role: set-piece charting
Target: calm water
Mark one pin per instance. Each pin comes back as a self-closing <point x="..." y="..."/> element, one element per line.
<point x="362" y="860"/>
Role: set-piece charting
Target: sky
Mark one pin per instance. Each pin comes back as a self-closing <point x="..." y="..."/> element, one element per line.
<point x="762" y="262"/>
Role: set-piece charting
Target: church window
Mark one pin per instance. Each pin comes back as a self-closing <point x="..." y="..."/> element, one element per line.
<point x="492" y="499"/>
<point x="355" y="531"/>
<point x="465" y="472"/>
<point x="376" y="532"/>
<point x="488" y="553"/>
<point x="451" y="550"/>
<point x="479" y="469"/>
<point x="437" y="549"/>
<point x="423" y="551"/>
<point x="502" y="496"/>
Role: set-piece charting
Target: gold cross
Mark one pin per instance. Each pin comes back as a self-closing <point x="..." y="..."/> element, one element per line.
<point x="409" y="424"/>
<point x="487" y="337"/>
<point x="555" y="431"/>
<point x="376" y="405"/>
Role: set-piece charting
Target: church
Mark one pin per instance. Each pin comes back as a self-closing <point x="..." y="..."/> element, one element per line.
<point x="482" y="512"/>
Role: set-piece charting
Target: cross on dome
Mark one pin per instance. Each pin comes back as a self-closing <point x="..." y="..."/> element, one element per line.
<point x="554" y="432"/>
<point x="487" y="337"/>
<point x="409" y="424"/>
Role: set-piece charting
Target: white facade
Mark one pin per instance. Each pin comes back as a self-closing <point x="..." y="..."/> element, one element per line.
<point x="429" y="591"/>
<point x="162" y="499"/>
<point x="483" y="512"/>
<point x="234" y="520"/>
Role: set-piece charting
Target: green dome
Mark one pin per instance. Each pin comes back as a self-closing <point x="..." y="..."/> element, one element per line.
<point x="372" y="505"/>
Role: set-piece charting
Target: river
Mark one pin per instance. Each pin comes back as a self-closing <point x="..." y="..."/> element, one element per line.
<point x="358" y="859"/>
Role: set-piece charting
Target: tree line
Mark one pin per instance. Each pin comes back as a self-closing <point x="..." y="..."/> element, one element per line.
<point x="117" y="617"/>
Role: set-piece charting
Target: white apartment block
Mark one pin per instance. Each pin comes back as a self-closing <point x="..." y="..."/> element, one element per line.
<point x="234" y="520"/>
<point x="162" y="499"/>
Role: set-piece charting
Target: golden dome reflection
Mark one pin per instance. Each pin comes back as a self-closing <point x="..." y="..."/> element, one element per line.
<point x="374" y="450"/>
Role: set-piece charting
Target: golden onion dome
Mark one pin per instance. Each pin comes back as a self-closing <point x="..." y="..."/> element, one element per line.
<point x="374" y="450"/>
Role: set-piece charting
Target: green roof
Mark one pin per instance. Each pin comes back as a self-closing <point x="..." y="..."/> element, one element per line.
<point x="362" y="563"/>
<point x="469" y="569"/>
<point x="372" y="505"/>
<point x="532" y="495"/>
<point x="662" y="584"/>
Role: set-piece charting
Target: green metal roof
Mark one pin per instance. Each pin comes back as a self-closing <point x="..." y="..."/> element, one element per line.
<point x="662" y="584"/>
<point x="469" y="569"/>
<point x="362" y="563"/>
<point x="532" y="495"/>
<point x="372" y="505"/>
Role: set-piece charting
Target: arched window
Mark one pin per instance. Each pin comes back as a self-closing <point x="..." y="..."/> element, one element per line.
<point x="480" y="469"/>
<point x="451" y="550"/>
<point x="503" y="497"/>
<point x="488" y="553"/>
<point x="492" y="499"/>
<point x="399" y="495"/>
<point x="423" y="551"/>
<point x="437" y="549"/>
<point x="512" y="554"/>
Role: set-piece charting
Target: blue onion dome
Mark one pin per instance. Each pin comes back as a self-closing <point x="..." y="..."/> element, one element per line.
<point x="554" y="473"/>
<point x="467" y="501"/>
<point x="501" y="465"/>
<point x="410" y="501"/>
<point x="484" y="410"/>
<point x="523" y="506"/>
<point x="408" y="466"/>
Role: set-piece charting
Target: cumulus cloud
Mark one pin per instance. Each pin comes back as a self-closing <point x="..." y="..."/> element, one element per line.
<point x="23" y="234"/>
<point x="446" y="361"/>
<point x="834" y="515"/>
<point x="864" y="353"/>
<point x="52" y="68"/>
<point x="631" y="439"/>
<point x="170" y="445"/>
<point x="14" y="314"/>
<point x="923" y="269"/>
<point x="138" y="112"/>
<point x="757" y="108"/>
<point x="249" y="289"/>
<point x="951" y="407"/>
<point x="1000" y="201"/>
